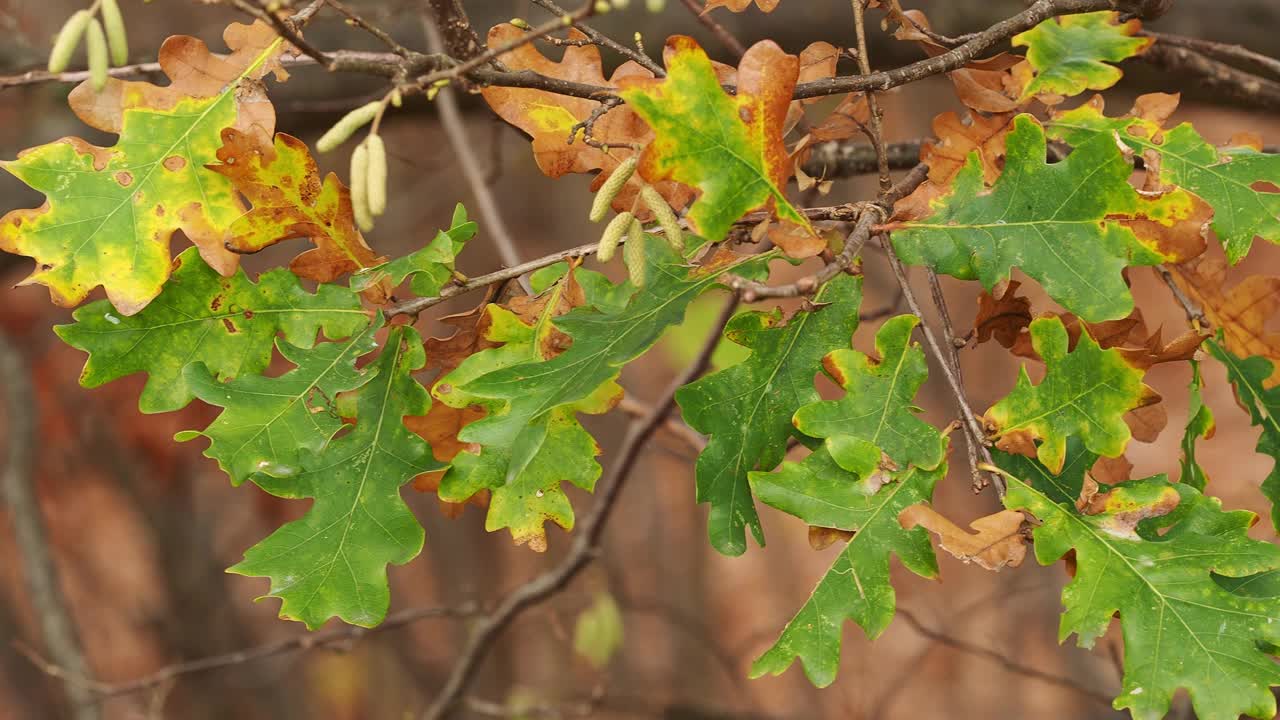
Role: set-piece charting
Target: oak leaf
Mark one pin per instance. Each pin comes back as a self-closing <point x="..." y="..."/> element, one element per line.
<point x="1242" y="312"/>
<point x="227" y="323"/>
<point x="549" y="118"/>
<point x="738" y="6"/>
<point x="1237" y="180"/>
<point x="729" y="147"/>
<point x="110" y="211"/>
<point x="1085" y="392"/>
<point x="1070" y="53"/>
<point x="1249" y="376"/>
<point x="291" y="201"/>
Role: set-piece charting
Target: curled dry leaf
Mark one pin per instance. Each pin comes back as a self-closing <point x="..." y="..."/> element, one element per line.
<point x="290" y="201"/>
<point x="549" y="118"/>
<point x="1111" y="471"/>
<point x="1242" y="312"/>
<point x="997" y="542"/>
<point x="740" y="5"/>
<point x="993" y="85"/>
<point x="821" y="538"/>
<point x="1005" y="318"/>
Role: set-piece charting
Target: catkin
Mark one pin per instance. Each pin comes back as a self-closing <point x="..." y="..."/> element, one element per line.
<point x="117" y="40"/>
<point x="633" y="254"/>
<point x="359" y="187"/>
<point x="64" y="46"/>
<point x="613" y="233"/>
<point x="377" y="187"/>
<point x="666" y="217"/>
<point x="347" y="126"/>
<point x="611" y="188"/>
<point x="96" y="49"/>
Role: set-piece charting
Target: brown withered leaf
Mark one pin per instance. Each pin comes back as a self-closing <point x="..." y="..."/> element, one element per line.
<point x="549" y="118"/>
<point x="957" y="139"/>
<point x="1110" y="471"/>
<point x="1241" y="311"/>
<point x="291" y="201"/>
<point x="740" y="5"/>
<point x="1005" y="318"/>
<point x="821" y="538"/>
<point x="847" y="120"/>
<point x="992" y="85"/>
<point x="997" y="542"/>
<point x="1147" y="422"/>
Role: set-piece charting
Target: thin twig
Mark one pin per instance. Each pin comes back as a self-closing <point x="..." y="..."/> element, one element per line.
<point x="303" y="642"/>
<point x="1220" y="51"/>
<point x="455" y="127"/>
<point x="726" y="38"/>
<point x="586" y="544"/>
<point x="871" y="215"/>
<point x="873" y="104"/>
<point x="939" y="355"/>
<point x="600" y="38"/>
<point x="30" y="533"/>
<point x="417" y="305"/>
<point x="377" y="32"/>
<point x="1195" y="314"/>
<point x="999" y="658"/>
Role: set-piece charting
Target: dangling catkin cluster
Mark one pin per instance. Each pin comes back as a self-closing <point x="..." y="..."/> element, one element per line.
<point x="105" y="42"/>
<point x="626" y="223"/>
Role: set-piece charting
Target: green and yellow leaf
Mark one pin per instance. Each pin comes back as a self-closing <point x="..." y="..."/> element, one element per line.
<point x="1085" y="392"/>
<point x="110" y="212"/>
<point x="1043" y="218"/>
<point x="1070" y="53"/>
<point x="1238" y="181"/>
<point x="729" y="147"/>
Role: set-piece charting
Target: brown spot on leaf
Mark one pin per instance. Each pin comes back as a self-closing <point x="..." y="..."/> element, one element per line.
<point x="125" y="178"/>
<point x="230" y="326"/>
<point x="174" y="163"/>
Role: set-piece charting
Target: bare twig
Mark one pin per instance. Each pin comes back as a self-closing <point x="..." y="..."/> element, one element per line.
<point x="726" y="38"/>
<point x="287" y="28"/>
<point x="417" y="305"/>
<point x="873" y="104"/>
<point x="1220" y="51"/>
<point x="871" y="215"/>
<point x="377" y="32"/>
<point x="56" y="623"/>
<point x="303" y="642"/>
<point x="675" y="427"/>
<point x="840" y="159"/>
<point x="455" y="127"/>
<point x="1195" y="315"/>
<point x="1004" y="661"/>
<point x="586" y="544"/>
<point x="1232" y="82"/>
<point x="600" y="38"/>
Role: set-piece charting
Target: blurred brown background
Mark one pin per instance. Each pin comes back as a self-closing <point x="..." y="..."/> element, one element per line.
<point x="142" y="527"/>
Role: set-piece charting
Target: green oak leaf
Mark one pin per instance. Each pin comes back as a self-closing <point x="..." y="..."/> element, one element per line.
<point x="227" y="323"/>
<point x="1061" y="487"/>
<point x="1070" y="53"/>
<point x="1151" y="555"/>
<point x="523" y="503"/>
<point x="729" y="147"/>
<point x="523" y="398"/>
<point x="271" y="424"/>
<point x="1200" y="424"/>
<point x="856" y="587"/>
<point x="1263" y="404"/>
<point x="429" y="268"/>
<point x="746" y="409"/>
<point x="1043" y="218"/>
<point x="1229" y="179"/>
<point x="1085" y="392"/>
<point x="110" y="212"/>
<point x="333" y="561"/>
<point x="877" y="407"/>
